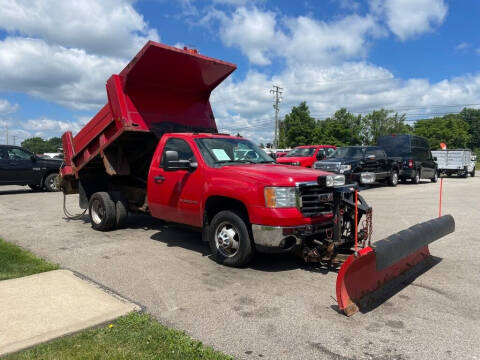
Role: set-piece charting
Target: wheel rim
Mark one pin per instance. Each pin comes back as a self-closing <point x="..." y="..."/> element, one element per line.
<point x="227" y="239"/>
<point x="52" y="184"/>
<point x="394" y="178"/>
<point x="435" y="177"/>
<point x="98" y="212"/>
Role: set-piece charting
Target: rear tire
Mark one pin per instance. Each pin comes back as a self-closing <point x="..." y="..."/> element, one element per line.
<point x="435" y="177"/>
<point x="51" y="183"/>
<point x="416" y="179"/>
<point x="102" y="211"/>
<point x="472" y="174"/>
<point x="229" y="239"/>
<point x="393" y="179"/>
<point x="121" y="210"/>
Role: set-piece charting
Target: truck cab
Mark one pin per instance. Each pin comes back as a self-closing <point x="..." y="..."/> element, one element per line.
<point x="306" y="155"/>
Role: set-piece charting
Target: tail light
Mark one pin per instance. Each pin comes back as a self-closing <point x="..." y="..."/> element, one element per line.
<point x="410" y="164"/>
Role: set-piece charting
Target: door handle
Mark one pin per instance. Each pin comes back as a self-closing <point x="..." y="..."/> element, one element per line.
<point x="159" y="179"/>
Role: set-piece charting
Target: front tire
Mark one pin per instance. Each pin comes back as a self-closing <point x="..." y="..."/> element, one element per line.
<point x="435" y="177"/>
<point x="101" y="209"/>
<point x="472" y="174"/>
<point x="51" y="183"/>
<point x="230" y="240"/>
<point x="393" y="179"/>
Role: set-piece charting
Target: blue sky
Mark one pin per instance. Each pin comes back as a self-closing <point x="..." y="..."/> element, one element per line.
<point x="415" y="56"/>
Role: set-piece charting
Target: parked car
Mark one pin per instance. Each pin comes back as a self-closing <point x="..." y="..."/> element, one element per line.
<point x="361" y="164"/>
<point x="456" y="161"/>
<point x="306" y="155"/>
<point x="19" y="166"/>
<point x="413" y="152"/>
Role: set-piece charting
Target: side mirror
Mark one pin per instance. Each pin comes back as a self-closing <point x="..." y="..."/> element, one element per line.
<point x="434" y="158"/>
<point x="172" y="162"/>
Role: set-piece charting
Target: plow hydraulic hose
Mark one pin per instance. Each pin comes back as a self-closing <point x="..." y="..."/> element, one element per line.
<point x="363" y="277"/>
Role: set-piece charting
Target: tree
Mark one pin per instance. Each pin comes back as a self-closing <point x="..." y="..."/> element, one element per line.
<point x="342" y="129"/>
<point x="472" y="118"/>
<point x="450" y="129"/>
<point x="298" y="127"/>
<point x="39" y="146"/>
<point x="380" y="122"/>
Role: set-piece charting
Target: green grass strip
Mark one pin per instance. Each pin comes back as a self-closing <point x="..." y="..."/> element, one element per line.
<point x="135" y="336"/>
<point x="17" y="262"/>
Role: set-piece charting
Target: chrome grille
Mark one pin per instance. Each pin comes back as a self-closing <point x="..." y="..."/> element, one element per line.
<point x="315" y="199"/>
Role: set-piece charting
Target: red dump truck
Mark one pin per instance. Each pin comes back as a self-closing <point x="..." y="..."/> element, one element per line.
<point x="154" y="148"/>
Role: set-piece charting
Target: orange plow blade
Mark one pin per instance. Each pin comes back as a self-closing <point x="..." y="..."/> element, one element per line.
<point x="376" y="271"/>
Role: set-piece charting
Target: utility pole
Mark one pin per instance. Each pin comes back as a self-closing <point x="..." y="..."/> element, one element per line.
<point x="14" y="138"/>
<point x="277" y="98"/>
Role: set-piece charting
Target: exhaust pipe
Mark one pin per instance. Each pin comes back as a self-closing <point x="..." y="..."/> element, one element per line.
<point x="402" y="254"/>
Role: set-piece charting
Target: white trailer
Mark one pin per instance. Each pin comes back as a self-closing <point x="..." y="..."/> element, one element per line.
<point x="456" y="161"/>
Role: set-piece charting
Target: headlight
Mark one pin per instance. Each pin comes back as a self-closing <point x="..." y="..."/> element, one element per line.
<point x="344" y="168"/>
<point x="367" y="178"/>
<point x="280" y="197"/>
<point x="331" y="180"/>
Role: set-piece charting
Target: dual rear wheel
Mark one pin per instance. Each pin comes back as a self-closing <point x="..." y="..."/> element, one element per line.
<point x="108" y="211"/>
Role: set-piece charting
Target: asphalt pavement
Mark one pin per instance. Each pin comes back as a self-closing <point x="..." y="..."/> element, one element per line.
<point x="277" y="308"/>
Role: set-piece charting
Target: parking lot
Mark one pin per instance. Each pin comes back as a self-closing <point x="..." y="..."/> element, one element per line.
<point x="278" y="307"/>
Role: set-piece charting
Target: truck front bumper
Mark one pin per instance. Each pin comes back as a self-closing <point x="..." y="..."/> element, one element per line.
<point x="283" y="238"/>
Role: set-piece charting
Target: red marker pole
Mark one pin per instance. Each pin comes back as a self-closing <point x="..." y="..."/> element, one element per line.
<point x="356" y="222"/>
<point x="440" y="201"/>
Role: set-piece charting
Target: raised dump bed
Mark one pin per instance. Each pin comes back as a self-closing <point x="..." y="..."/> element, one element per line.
<point x="163" y="89"/>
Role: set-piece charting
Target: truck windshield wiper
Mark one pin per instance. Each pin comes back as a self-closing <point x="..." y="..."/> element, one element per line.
<point x="235" y="161"/>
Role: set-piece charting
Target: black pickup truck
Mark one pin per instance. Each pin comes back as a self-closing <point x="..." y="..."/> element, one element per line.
<point x="19" y="166"/>
<point x="362" y="165"/>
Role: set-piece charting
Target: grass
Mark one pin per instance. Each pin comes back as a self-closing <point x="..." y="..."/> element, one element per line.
<point x="135" y="336"/>
<point x="16" y="262"/>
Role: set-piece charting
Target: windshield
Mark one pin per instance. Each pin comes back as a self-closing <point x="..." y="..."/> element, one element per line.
<point x="347" y="153"/>
<point x="220" y="151"/>
<point x="301" y="152"/>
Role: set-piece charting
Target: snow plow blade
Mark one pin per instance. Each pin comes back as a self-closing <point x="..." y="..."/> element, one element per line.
<point x="377" y="270"/>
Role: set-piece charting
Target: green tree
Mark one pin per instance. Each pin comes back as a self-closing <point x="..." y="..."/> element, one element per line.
<point x="450" y="129"/>
<point x="381" y="122"/>
<point x="472" y="118"/>
<point x="39" y="146"/>
<point x="298" y="127"/>
<point x="342" y="129"/>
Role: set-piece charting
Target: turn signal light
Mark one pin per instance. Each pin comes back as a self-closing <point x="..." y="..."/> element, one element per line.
<point x="410" y="164"/>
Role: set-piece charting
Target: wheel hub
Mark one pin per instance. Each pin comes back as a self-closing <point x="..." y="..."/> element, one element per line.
<point x="227" y="240"/>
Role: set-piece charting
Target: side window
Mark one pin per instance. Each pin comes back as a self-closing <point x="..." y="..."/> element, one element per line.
<point x="181" y="146"/>
<point x="321" y="154"/>
<point x="18" y="154"/>
<point x="3" y="154"/>
<point x="330" y="151"/>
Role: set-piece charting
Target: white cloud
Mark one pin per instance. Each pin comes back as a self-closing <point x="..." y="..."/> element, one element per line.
<point x="7" y="108"/>
<point x="410" y="18"/>
<point x="302" y="39"/>
<point x="478" y="51"/>
<point x="253" y="31"/>
<point x="69" y="77"/>
<point x="102" y="27"/>
<point x="44" y="126"/>
<point x="462" y="46"/>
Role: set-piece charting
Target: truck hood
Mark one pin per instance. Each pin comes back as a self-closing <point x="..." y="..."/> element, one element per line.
<point x="272" y="174"/>
<point x="342" y="161"/>
<point x="292" y="159"/>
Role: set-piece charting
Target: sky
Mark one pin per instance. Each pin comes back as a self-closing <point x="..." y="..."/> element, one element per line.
<point x="419" y="57"/>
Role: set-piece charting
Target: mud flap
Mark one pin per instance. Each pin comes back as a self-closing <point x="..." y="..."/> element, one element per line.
<point x="376" y="271"/>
